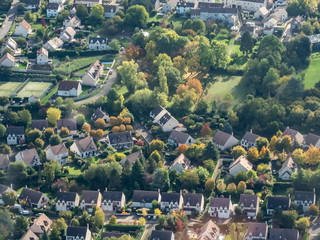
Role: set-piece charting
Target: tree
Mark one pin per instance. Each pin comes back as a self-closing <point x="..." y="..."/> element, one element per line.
<point x="313" y="210"/>
<point x="53" y="114"/>
<point x="206" y="130"/>
<point x="180" y="63"/>
<point x="113" y="220"/>
<point x="182" y="148"/>
<point x="273" y="142"/>
<point x="20" y="227"/>
<point x="40" y="32"/>
<point x="265" y="154"/>
<point x="80" y="119"/>
<point x="59" y="101"/>
<point x="24" y="117"/>
<point x="306" y="28"/>
<point x="48" y="132"/>
<point x="286" y="143"/>
<point x="261" y="142"/>
<point x="49" y="171"/>
<point x="74" y="222"/>
<point x="313" y="156"/>
<point x="81" y="11"/>
<point x="39" y="143"/>
<point x="221" y="186"/>
<point x="159" y="180"/>
<point x="142" y="221"/>
<point x="55" y="139"/>
<point x="210" y="185"/>
<point x="242" y="186"/>
<point x="163" y="80"/>
<point x="138" y="173"/>
<point x="32" y="135"/>
<point x="136" y="16"/>
<point x="303" y="223"/>
<point x="9" y="198"/>
<point x="97" y="220"/>
<point x="86" y="128"/>
<point x="246" y="44"/>
<point x="115" y="44"/>
<point x="211" y="151"/>
<point x="156" y="144"/>
<point x="100" y="123"/>
<point x="151" y="51"/>
<point x="144" y="212"/>
<point x="129" y="75"/>
<point x="157" y="212"/>
<point x="288" y="218"/>
<point x="232" y="188"/>
<point x="299" y="156"/>
<point x="253" y="154"/>
<point x="189" y="180"/>
<point x="64" y="132"/>
<point x="251" y="174"/>
<point x="4" y="101"/>
<point x="198" y="26"/>
<point x="238" y="151"/>
<point x="97" y="13"/>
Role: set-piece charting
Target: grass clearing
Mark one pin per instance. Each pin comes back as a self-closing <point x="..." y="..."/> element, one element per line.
<point x="33" y="89"/>
<point x="312" y="73"/>
<point x="176" y="21"/>
<point x="7" y="88"/>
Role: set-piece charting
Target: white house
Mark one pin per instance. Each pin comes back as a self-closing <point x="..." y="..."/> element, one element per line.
<point x="122" y="140"/>
<point x="68" y="34"/>
<point x="281" y="14"/>
<point x="73" y="22"/>
<point x="32" y="4"/>
<point x="67" y="201"/>
<point x="168" y="122"/>
<point x="7" y="60"/>
<point x="110" y="10"/>
<point x="93" y="74"/>
<point x="248" y="5"/>
<point x="30" y="157"/>
<point x="177" y="138"/>
<point x="58" y="152"/>
<point x="143" y="199"/>
<point x="69" y="89"/>
<point x="98" y="43"/>
<point x="288" y="168"/>
<point x="224" y="140"/>
<point x="112" y="201"/>
<point x="276" y="202"/>
<point x="15" y="135"/>
<point x="4" y="188"/>
<point x="157" y="113"/>
<point x="249" y="140"/>
<point x="241" y="164"/>
<point x="90" y="199"/>
<point x="225" y="14"/>
<point x="11" y="45"/>
<point x="183" y="7"/>
<point x="78" y="233"/>
<point x="57" y="1"/>
<point x="311" y="140"/>
<point x="159" y="235"/>
<point x="168" y="6"/>
<point x="84" y="147"/>
<point x="23" y="29"/>
<point x="89" y="3"/>
<point x="34" y="198"/>
<point x="53" y="9"/>
<point x="261" y="13"/>
<point x="269" y="26"/>
<point x="221" y="207"/>
<point x="249" y="205"/>
<point x="53" y="44"/>
<point x="171" y="201"/>
<point x="42" y="56"/>
<point x="193" y="203"/>
<point x="181" y="163"/>
<point x="305" y="199"/>
<point x="256" y="231"/>
<point x="99" y="113"/>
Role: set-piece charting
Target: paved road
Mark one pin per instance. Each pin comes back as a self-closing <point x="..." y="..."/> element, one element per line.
<point x="7" y="24"/>
<point x="314" y="229"/>
<point x="144" y="132"/>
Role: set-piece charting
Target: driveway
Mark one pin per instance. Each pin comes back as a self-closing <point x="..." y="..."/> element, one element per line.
<point x="7" y="24"/>
<point x="139" y="128"/>
<point x="314" y="229"/>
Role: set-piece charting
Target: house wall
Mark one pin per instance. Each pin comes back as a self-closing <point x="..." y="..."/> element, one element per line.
<point x="88" y="80"/>
<point x="21" y="31"/>
<point x="7" y="63"/>
<point x="42" y="59"/>
<point x="168" y="127"/>
<point x="236" y="169"/>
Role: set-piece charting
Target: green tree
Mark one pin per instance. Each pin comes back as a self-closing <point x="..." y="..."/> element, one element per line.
<point x="81" y="11"/>
<point x="306" y="28"/>
<point x="97" y="13"/>
<point x="4" y="101"/>
<point x="210" y="185"/>
<point x="9" y="198"/>
<point x="80" y="119"/>
<point x="115" y="44"/>
<point x="211" y="151"/>
<point x="189" y="180"/>
<point x="97" y="220"/>
<point x="246" y="44"/>
<point x="24" y="117"/>
<point x="74" y="222"/>
<point x="40" y="32"/>
<point x="49" y="171"/>
<point x="262" y="142"/>
<point x="163" y="80"/>
<point x="6" y="224"/>
<point x="136" y="16"/>
<point x="2" y="131"/>
<point x="288" y="219"/>
<point x="138" y="173"/>
<point x="20" y="227"/>
<point x="238" y="151"/>
<point x="198" y="26"/>
<point x="55" y="139"/>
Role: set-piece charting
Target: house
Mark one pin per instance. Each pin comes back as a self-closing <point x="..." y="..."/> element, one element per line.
<point x="221" y="207"/>
<point x="41" y="124"/>
<point x="296" y="24"/>
<point x="156" y="4"/>
<point x="4" y="188"/>
<point x="269" y="26"/>
<point x="110" y="10"/>
<point x="251" y="29"/>
<point x="99" y="113"/>
<point x="225" y="14"/>
<point x="33" y="99"/>
<point x="177" y="138"/>
<point x="274" y="202"/>
<point x="69" y="123"/>
<point x="112" y="201"/>
<point x="58" y="152"/>
<point x="168" y="122"/>
<point x="261" y="13"/>
<point x="34" y="198"/>
<point x="157" y="113"/>
<point x="171" y="201"/>
<point x="183" y="7"/>
<point x="209" y="231"/>
<point x="311" y="140"/>
<point x="57" y="1"/>
<point x="283" y="234"/>
<point x="77" y="232"/>
<point x="30" y="157"/>
<point x="248" y="5"/>
<point x="31" y="4"/>
<point x="67" y="201"/>
<point x="281" y="14"/>
<point x="4" y="162"/>
<point x="305" y="199"/>
<point x="73" y="22"/>
<point x="168" y="6"/>
<point x="161" y="235"/>
<point x="249" y="205"/>
<point x="15" y="135"/>
<point x="256" y="231"/>
<point x="249" y="140"/>
<point x="69" y="89"/>
<point x="193" y="203"/>
<point x="93" y="74"/>
<point x="240" y="165"/>
<point x="224" y="140"/>
<point x="143" y="199"/>
<point x="294" y="135"/>
<point x="112" y="234"/>
<point x="7" y="60"/>
<point x="42" y="56"/>
<point x="68" y="34"/>
<point x="53" y="9"/>
<point x="23" y="29"/>
<point x="53" y="44"/>
<point x="122" y="140"/>
<point x="41" y="224"/>
<point x="29" y="235"/>
<point x="181" y="163"/>
<point x="132" y="158"/>
<point x="90" y="199"/>
<point x="88" y="3"/>
<point x="9" y="45"/>
<point x="98" y="43"/>
<point x="84" y="147"/>
<point x="288" y="168"/>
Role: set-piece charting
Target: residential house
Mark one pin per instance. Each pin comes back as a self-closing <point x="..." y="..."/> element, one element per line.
<point x="93" y="74"/>
<point x="221" y="207"/>
<point x="248" y="5"/>
<point x="110" y="10"/>
<point x="168" y="6"/>
<point x="98" y="43"/>
<point x="53" y="44"/>
<point x="132" y="158"/>
<point x="269" y="26"/>
<point x="30" y="157"/>
<point x="32" y="4"/>
<point x="84" y="147"/>
<point x="68" y="34"/>
<point x="41" y="224"/>
<point x="122" y="140"/>
<point x="53" y="9"/>
<point x="281" y="14"/>
<point x="41" y="124"/>
<point x="8" y="61"/>
<point x="4" y="188"/>
<point x="90" y="199"/>
<point x="112" y="200"/>
<point x="183" y="7"/>
<point x="249" y="140"/>
<point x="288" y="168"/>
<point x="88" y="3"/>
<point x="209" y="231"/>
<point x="33" y="99"/>
<point x="15" y="135"/>
<point x="73" y="11"/>
<point x="73" y="22"/>
<point x="240" y="165"/>
<point x="29" y="235"/>
<point x="225" y="14"/>
<point x="251" y="29"/>
<point x="99" y="113"/>
<point x="69" y="123"/>
<point x="181" y="163"/>
<point x="177" y="138"/>
<point x="9" y="45"/>
<point x="69" y="89"/>
<point x="296" y="24"/>
<point x="249" y="205"/>
<point x="34" y="198"/>
<point x="161" y="235"/>
<point x="261" y="13"/>
<point x="42" y="56"/>
<point x="193" y="203"/>
<point x="4" y="162"/>
<point x="168" y="122"/>
<point x="156" y="4"/>
<point x="78" y="233"/>
<point x="224" y="140"/>
<point x="171" y="201"/>
<point x="67" y="201"/>
<point x="143" y="199"/>
<point x="58" y="152"/>
<point x="23" y="29"/>
<point x="294" y="135"/>
<point x="157" y="113"/>
<point x="305" y="199"/>
<point x="274" y="202"/>
<point x="311" y="140"/>
<point x="283" y="234"/>
<point x="57" y="1"/>
<point x="256" y="231"/>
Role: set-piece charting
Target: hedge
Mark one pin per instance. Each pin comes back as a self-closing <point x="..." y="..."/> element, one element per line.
<point x="124" y="228"/>
<point x="73" y="53"/>
<point x="47" y="212"/>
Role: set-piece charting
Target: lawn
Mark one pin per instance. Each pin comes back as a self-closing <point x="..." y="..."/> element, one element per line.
<point x="155" y="18"/>
<point x="49" y="95"/>
<point x="33" y="88"/>
<point x="312" y="73"/>
<point x="7" y="88"/>
<point x="176" y="21"/>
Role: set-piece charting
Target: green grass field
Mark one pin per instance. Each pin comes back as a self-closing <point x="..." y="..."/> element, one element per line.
<point x="33" y="88"/>
<point x="7" y="88"/>
<point x="312" y="73"/>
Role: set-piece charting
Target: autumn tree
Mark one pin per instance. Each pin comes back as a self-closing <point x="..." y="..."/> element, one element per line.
<point x="100" y="123"/>
<point x="303" y="223"/>
<point x="232" y="188"/>
<point x="210" y="185"/>
<point x="206" y="130"/>
<point x="265" y="154"/>
<point x="313" y="210"/>
<point x="221" y="187"/>
<point x="64" y="132"/>
<point x="238" y="151"/>
<point x="9" y="198"/>
<point x="313" y="156"/>
<point x="86" y="128"/>
<point x="196" y="85"/>
<point x="262" y="142"/>
<point x="97" y="134"/>
<point x="115" y="129"/>
<point x="142" y="221"/>
<point x="182" y="148"/>
<point x="156" y="144"/>
<point x="48" y="133"/>
<point x="241" y="186"/>
<point x="53" y="114"/>
<point x="286" y="143"/>
<point x="272" y="144"/>
<point x="299" y="156"/>
<point x="253" y="154"/>
<point x="113" y="220"/>
<point x="132" y="52"/>
<point x="113" y="121"/>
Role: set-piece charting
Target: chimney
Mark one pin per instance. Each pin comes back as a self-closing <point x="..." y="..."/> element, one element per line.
<point x="98" y="190"/>
<point x="289" y="195"/>
<point x="158" y="190"/>
<point x="251" y="130"/>
<point x="180" y="191"/>
<point x="12" y="187"/>
<point x="232" y="133"/>
<point x="314" y="190"/>
<point x="26" y="186"/>
<point x="106" y="190"/>
<point x="87" y="225"/>
<point x="60" y="190"/>
<point x="230" y="197"/>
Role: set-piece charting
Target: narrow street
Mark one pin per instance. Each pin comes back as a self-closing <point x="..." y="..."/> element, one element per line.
<point x="7" y="24"/>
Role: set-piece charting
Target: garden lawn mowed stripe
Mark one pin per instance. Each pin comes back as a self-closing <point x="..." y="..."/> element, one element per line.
<point x="33" y="89"/>
<point x="7" y="88"/>
<point x="312" y="73"/>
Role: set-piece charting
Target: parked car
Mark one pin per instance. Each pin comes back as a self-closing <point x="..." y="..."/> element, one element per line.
<point x="24" y="212"/>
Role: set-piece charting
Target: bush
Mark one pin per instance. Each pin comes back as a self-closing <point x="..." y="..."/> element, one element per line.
<point x="124" y="228"/>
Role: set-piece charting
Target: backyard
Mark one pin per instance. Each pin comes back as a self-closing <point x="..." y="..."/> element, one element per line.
<point x="312" y="72"/>
<point x="33" y="89"/>
<point x="7" y="88"/>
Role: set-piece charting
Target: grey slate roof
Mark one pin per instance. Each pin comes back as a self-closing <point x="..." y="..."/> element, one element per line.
<point x="221" y="138"/>
<point x="123" y="137"/>
<point x="156" y="110"/>
<point x="161" y="235"/>
<point x="29" y="155"/>
<point x="164" y="119"/>
<point x="86" y="145"/>
<point x="98" y="114"/>
<point x="69" y="123"/>
<point x="283" y="234"/>
<point x="3" y="188"/>
<point x="68" y="85"/>
<point x="170" y="197"/>
<point x="185" y="4"/>
<point x="31" y="195"/>
<point x="77" y="231"/>
<point x="289" y="163"/>
<point x="112" y="196"/>
<point x="304" y="196"/>
<point x="132" y="157"/>
<point x="4" y="160"/>
<point x="178" y="137"/>
<point x="88" y="196"/>
<point x="210" y="5"/>
<point x="278" y="202"/>
<point x="220" y="202"/>
<point x="256" y="228"/>
<point x="53" y="6"/>
<point x="101" y="40"/>
<point x="250" y="137"/>
<point x="192" y="199"/>
<point x="311" y="139"/>
<point x="145" y="196"/>
<point x="248" y="199"/>
<point x="58" y="149"/>
<point x="39" y="124"/>
<point x="66" y="196"/>
<point x="31" y="2"/>
<point x="15" y="130"/>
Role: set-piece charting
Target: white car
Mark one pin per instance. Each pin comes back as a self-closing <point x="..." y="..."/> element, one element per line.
<point x="24" y="212"/>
